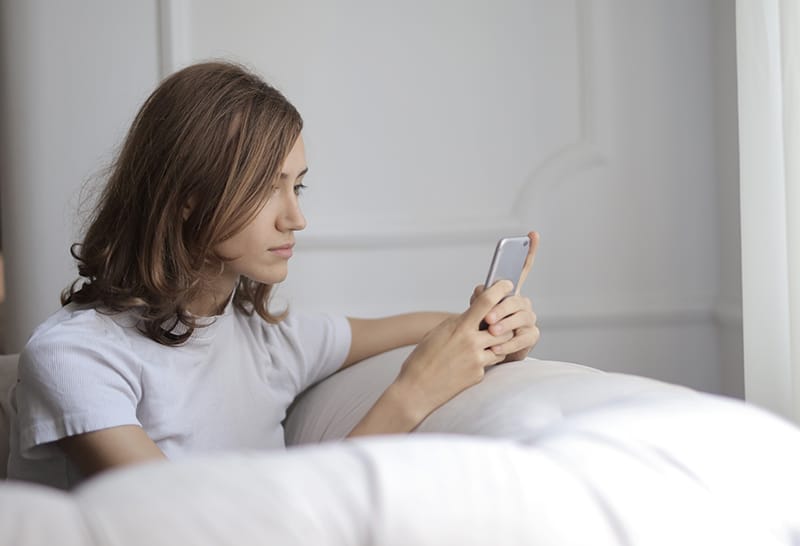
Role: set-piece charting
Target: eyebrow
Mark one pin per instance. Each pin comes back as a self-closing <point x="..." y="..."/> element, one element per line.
<point x="284" y="176"/>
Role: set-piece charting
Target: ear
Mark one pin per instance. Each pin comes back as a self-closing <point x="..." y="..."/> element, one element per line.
<point x="188" y="208"/>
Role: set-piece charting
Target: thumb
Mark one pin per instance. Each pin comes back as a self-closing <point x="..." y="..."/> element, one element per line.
<point x="534" y="238"/>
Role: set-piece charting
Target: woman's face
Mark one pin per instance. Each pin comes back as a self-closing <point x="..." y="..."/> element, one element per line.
<point x="261" y="251"/>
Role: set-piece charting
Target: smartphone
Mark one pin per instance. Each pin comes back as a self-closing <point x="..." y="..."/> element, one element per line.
<point x="507" y="263"/>
<point x="508" y="260"/>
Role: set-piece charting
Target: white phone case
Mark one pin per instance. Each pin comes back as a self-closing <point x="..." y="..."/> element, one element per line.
<point x="508" y="260"/>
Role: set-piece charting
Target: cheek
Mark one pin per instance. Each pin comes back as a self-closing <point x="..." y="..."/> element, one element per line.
<point x="237" y="246"/>
<point x="255" y="237"/>
<point x="228" y="249"/>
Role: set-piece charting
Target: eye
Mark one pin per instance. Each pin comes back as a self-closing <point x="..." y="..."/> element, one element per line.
<point x="299" y="188"/>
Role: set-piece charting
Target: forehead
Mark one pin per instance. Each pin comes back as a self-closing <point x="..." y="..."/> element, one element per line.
<point x="296" y="160"/>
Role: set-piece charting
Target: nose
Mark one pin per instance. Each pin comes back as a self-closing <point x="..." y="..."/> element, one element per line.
<point x="292" y="218"/>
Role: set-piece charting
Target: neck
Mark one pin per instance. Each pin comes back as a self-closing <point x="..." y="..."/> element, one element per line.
<point x="215" y="300"/>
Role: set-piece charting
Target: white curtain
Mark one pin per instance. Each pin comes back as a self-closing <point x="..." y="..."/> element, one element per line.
<point x="768" y="62"/>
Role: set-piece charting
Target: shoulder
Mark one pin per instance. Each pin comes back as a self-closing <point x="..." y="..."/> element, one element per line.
<point x="308" y="346"/>
<point x="299" y="324"/>
<point x="74" y="333"/>
<point x="76" y="324"/>
<point x="299" y="331"/>
<point x="315" y="335"/>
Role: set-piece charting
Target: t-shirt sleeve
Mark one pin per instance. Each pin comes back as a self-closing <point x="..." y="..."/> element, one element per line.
<point x="313" y="346"/>
<point x="73" y="382"/>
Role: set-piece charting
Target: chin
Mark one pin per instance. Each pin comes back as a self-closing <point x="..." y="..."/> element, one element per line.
<point x="268" y="277"/>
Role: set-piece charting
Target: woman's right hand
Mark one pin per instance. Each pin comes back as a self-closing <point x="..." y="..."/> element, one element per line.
<point x="453" y="356"/>
<point x="450" y="358"/>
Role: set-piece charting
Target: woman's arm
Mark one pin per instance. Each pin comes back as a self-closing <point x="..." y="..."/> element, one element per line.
<point x="107" y="448"/>
<point x="373" y="336"/>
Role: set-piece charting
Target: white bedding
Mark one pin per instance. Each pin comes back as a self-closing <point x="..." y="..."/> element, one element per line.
<point x="585" y="458"/>
<point x="658" y="460"/>
<point x="567" y="488"/>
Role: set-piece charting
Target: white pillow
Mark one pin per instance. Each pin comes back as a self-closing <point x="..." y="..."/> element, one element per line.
<point x="515" y="400"/>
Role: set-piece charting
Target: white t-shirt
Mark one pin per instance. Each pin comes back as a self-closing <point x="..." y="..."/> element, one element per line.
<point x="227" y="388"/>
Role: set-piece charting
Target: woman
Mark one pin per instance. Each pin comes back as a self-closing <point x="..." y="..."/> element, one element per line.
<point x="165" y="346"/>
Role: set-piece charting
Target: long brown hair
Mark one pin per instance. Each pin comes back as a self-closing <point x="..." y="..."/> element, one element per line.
<point x="215" y="135"/>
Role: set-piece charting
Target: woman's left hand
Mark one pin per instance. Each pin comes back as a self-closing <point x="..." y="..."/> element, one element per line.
<point x="515" y="314"/>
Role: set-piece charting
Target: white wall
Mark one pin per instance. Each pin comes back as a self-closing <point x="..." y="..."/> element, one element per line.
<point x="73" y="75"/>
<point x="432" y="128"/>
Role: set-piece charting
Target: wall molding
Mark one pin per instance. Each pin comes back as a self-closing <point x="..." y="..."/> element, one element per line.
<point x="619" y="316"/>
<point x="728" y="315"/>
<point x="339" y="233"/>
<point x="725" y="316"/>
<point x="721" y="315"/>
<point x="586" y="153"/>
<point x="552" y="314"/>
<point x="375" y="234"/>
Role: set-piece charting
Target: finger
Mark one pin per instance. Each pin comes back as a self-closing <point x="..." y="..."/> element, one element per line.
<point x="525" y="338"/>
<point x="523" y="319"/>
<point x="488" y="340"/>
<point x="507" y="307"/>
<point x="490" y="358"/>
<point x="529" y="259"/>
<point x="486" y="300"/>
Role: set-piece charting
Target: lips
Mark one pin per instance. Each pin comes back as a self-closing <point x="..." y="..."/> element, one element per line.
<point x="284" y="251"/>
